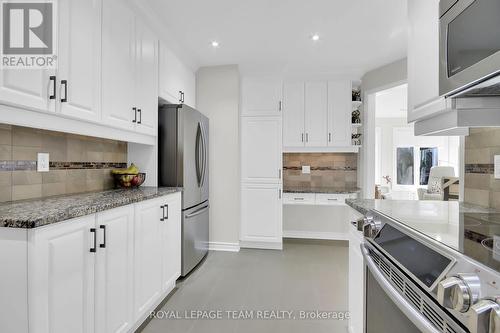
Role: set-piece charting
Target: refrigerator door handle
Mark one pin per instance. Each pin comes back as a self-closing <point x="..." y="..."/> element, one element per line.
<point x="198" y="152"/>
<point x="204" y="155"/>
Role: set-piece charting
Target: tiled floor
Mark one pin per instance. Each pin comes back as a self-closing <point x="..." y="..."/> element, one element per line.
<point x="304" y="276"/>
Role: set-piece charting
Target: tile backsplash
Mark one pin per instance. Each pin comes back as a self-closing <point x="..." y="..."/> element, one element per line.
<point x="480" y="186"/>
<point x="327" y="170"/>
<point x="77" y="163"/>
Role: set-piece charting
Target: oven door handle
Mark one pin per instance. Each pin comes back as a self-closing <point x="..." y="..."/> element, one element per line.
<point x="415" y="317"/>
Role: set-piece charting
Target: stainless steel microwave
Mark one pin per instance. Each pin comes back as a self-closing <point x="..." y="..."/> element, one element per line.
<point x="469" y="49"/>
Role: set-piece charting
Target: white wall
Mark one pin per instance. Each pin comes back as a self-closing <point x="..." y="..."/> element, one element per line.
<point x="218" y="96"/>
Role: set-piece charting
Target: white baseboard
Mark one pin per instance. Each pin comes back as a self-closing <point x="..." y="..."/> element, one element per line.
<point x="315" y="235"/>
<point x="261" y="245"/>
<point x="222" y="246"/>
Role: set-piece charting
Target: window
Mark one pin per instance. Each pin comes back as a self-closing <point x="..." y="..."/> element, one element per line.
<point x="404" y="167"/>
<point x="428" y="159"/>
<point x="414" y="170"/>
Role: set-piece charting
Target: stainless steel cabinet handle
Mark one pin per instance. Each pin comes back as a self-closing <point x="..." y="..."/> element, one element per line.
<point x="197" y="212"/>
<point x="307" y="137"/>
<point x="302" y="137"/>
<point x="329" y="137"/>
<point x="180" y="96"/>
<point x="332" y="199"/>
<point x="298" y="199"/>
<point x="163" y="213"/>
<point x="165" y="216"/>
<point x="135" y="114"/>
<point x="279" y="173"/>
<point x="65" y="84"/>
<point x="93" y="249"/>
<point x="279" y="193"/>
<point x="280" y="106"/>
<point x="416" y="317"/>
<point x="140" y="116"/>
<point x="53" y="79"/>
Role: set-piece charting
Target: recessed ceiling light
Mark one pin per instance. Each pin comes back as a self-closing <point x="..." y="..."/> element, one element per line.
<point x="215" y="43"/>
<point x="315" y="37"/>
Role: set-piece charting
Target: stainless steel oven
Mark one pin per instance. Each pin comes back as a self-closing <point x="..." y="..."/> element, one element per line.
<point x="469" y="48"/>
<point x="414" y="283"/>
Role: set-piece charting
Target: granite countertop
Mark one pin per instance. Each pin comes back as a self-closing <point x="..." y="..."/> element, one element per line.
<point x="328" y="190"/>
<point x="39" y="212"/>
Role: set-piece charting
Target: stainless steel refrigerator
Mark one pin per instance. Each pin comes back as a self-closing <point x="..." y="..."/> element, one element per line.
<point x="183" y="162"/>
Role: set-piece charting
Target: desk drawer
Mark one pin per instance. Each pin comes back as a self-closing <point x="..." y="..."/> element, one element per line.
<point x="299" y="198"/>
<point x="333" y="199"/>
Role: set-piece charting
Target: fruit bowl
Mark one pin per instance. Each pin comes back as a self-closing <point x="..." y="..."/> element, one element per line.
<point x="129" y="180"/>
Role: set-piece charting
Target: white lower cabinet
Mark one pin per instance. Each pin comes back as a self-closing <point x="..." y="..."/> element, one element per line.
<point x="61" y="277"/>
<point x="114" y="270"/>
<point x="104" y="272"/>
<point x="261" y="216"/>
<point x="147" y="267"/>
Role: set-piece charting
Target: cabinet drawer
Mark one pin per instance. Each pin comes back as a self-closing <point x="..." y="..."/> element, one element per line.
<point x="299" y="198"/>
<point x="331" y="199"/>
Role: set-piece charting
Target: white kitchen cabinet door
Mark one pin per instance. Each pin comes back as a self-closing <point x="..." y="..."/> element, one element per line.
<point x="61" y="277"/>
<point x="28" y="88"/>
<point x="316" y="101"/>
<point x="261" y="213"/>
<point x="79" y="73"/>
<point x="114" y="270"/>
<point x="356" y="275"/>
<point x="293" y="114"/>
<point x="171" y="241"/>
<point x="146" y="79"/>
<point x="261" y="149"/>
<point x="147" y="256"/>
<point x="118" y="64"/>
<point x="177" y="81"/>
<point x="423" y="60"/>
<point x="339" y="113"/>
<point x="261" y="96"/>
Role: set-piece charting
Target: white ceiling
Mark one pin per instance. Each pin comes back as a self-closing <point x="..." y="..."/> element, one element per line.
<point x="274" y="35"/>
<point x="392" y="103"/>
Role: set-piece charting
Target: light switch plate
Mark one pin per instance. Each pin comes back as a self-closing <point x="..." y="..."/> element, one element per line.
<point x="306" y="169"/>
<point x="42" y="164"/>
<point x="497" y="166"/>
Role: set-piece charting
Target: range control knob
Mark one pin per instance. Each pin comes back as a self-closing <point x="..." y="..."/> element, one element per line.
<point x="485" y="316"/>
<point x="371" y="227"/>
<point x="459" y="292"/>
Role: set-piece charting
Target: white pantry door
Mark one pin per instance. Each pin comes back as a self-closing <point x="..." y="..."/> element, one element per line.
<point x="118" y="64"/>
<point x="261" y="96"/>
<point x="61" y="277"/>
<point x="316" y="114"/>
<point x="114" y="270"/>
<point x="261" y="149"/>
<point x="79" y="74"/>
<point x="293" y="114"/>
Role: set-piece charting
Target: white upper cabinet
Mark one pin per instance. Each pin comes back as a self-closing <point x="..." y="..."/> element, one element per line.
<point x="261" y="149"/>
<point x="423" y="60"/>
<point x="114" y="270"/>
<point x="79" y="73"/>
<point x="61" y="277"/>
<point x="129" y="70"/>
<point x="146" y="79"/>
<point x="339" y="113"/>
<point x="28" y="88"/>
<point x="118" y="65"/>
<point x="177" y="81"/>
<point x="261" y="96"/>
<point x="316" y="101"/>
<point x="293" y="114"/>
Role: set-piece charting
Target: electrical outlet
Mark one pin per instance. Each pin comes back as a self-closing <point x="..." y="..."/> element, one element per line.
<point x="497" y="166"/>
<point x="42" y="164"/>
<point x="306" y="169"/>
